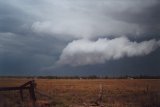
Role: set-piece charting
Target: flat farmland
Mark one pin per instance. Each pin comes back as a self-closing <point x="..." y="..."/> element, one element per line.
<point x="85" y="92"/>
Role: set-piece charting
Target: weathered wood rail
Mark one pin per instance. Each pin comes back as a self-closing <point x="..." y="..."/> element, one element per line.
<point x="30" y="86"/>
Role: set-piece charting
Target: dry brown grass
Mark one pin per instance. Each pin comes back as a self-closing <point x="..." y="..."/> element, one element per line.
<point x="76" y="93"/>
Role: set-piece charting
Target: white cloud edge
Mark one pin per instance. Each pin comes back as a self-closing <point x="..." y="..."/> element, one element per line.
<point x="86" y="52"/>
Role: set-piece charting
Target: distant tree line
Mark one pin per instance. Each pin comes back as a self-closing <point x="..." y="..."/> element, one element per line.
<point x="85" y="77"/>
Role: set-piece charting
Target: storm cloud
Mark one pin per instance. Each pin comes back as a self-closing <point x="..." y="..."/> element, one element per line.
<point x="93" y="19"/>
<point x="76" y="33"/>
<point x="86" y="52"/>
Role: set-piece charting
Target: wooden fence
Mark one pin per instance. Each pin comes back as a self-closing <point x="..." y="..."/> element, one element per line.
<point x="30" y="86"/>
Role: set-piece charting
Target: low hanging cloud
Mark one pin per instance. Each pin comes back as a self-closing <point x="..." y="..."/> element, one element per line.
<point x="87" y="52"/>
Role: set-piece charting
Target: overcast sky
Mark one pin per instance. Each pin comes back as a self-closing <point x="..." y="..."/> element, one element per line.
<point x="79" y="37"/>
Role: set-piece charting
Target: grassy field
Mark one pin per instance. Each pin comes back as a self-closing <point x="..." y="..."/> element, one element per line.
<point x="86" y="93"/>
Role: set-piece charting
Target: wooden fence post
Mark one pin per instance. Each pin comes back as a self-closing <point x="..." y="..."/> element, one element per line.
<point x="21" y="94"/>
<point x="32" y="93"/>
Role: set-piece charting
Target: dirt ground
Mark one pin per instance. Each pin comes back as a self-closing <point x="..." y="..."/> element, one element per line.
<point x="85" y="93"/>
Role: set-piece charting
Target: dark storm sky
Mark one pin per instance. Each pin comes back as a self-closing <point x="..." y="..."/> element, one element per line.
<point x="80" y="37"/>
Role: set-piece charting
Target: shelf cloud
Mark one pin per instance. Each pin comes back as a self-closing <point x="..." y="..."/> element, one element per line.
<point x="87" y="52"/>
